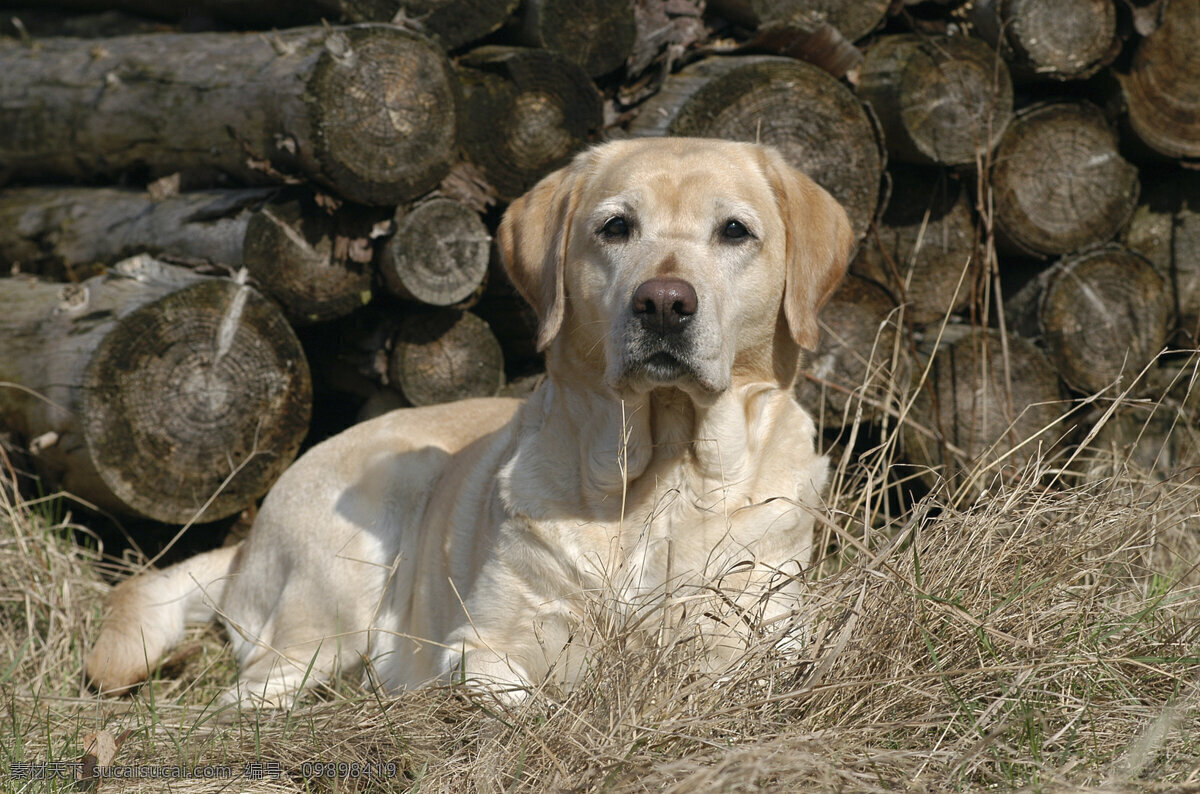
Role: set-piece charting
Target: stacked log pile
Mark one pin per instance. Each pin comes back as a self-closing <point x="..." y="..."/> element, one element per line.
<point x="318" y="181"/>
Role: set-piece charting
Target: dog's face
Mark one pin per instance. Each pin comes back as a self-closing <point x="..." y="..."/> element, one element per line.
<point x="676" y="262"/>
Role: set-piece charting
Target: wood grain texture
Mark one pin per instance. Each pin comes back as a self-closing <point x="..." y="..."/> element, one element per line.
<point x="814" y="120"/>
<point x="1101" y="315"/>
<point x="525" y="113"/>
<point x="941" y="100"/>
<point x="923" y="244"/>
<point x="153" y="392"/>
<point x="989" y="405"/>
<point x="1162" y="89"/>
<point x="438" y="255"/>
<point x="1060" y="181"/>
<point x="1049" y="39"/>
<point x="368" y="111"/>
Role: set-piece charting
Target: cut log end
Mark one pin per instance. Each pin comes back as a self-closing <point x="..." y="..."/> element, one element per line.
<point x="1165" y="229"/>
<point x="526" y="112"/>
<point x="438" y="255"/>
<point x="296" y="258"/>
<point x="853" y="364"/>
<point x="1064" y="41"/>
<point x="196" y="403"/>
<point x="815" y="122"/>
<point x="445" y="356"/>
<point x="988" y="406"/>
<point x="1163" y="87"/>
<point x="923" y="250"/>
<point x="383" y="103"/>
<point x="1059" y="180"/>
<point x="1104" y="315"/>
<point x="943" y="100"/>
<point x="596" y="34"/>
<point x="1049" y="39"/>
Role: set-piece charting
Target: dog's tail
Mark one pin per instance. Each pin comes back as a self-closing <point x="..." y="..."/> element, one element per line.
<point x="147" y="614"/>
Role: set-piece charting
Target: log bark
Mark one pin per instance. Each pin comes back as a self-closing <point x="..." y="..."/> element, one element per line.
<point x="451" y="23"/>
<point x="72" y="232"/>
<point x="438" y="255"/>
<point x="367" y="111"/>
<point x="153" y="392"/>
<point x="853" y="18"/>
<point x="445" y="356"/>
<point x="815" y="121"/>
<point x="1162" y="89"/>
<point x="308" y="260"/>
<point x="854" y="366"/>
<point x="923" y="243"/>
<point x="43" y="22"/>
<point x="665" y="29"/>
<point x="525" y="112"/>
<point x="987" y="408"/>
<point x="820" y="44"/>
<point x="1049" y="39"/>
<point x="941" y="100"/>
<point x="598" y="35"/>
<point x="1165" y="228"/>
<point x="1102" y="316"/>
<point x="1060" y="183"/>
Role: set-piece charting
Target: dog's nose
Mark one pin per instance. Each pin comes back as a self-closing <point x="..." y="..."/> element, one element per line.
<point x="664" y="305"/>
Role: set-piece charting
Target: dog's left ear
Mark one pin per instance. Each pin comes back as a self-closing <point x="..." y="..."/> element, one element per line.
<point x="819" y="242"/>
<point x="533" y="238"/>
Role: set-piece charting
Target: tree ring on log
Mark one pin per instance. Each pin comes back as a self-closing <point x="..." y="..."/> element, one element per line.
<point x="384" y="109"/>
<point x="537" y="132"/>
<point x="1049" y="39"/>
<point x="1047" y="36"/>
<point x="852" y="365"/>
<point x="816" y="123"/>
<point x="292" y="256"/>
<point x="1103" y="314"/>
<point x="1162" y="90"/>
<point x="943" y="100"/>
<point x="1165" y="228"/>
<point x="525" y="112"/>
<point x="598" y="35"/>
<point x="922" y="245"/>
<point x="225" y="380"/>
<point x="1059" y="180"/>
<point x="439" y="254"/>
<point x="446" y="356"/>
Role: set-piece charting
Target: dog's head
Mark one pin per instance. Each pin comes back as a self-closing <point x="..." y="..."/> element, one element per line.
<point x="677" y="262"/>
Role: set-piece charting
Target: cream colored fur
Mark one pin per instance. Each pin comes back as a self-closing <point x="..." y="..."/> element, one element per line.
<point x="466" y="540"/>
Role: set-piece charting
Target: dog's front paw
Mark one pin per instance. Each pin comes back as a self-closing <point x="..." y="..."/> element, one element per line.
<point x="485" y="673"/>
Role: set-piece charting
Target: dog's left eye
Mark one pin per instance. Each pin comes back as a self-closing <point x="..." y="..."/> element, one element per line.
<point x="734" y="230"/>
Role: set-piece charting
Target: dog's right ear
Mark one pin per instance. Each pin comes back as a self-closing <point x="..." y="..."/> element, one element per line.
<point x="533" y="239"/>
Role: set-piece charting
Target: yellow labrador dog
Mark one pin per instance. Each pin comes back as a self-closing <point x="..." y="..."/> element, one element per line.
<point x="675" y="281"/>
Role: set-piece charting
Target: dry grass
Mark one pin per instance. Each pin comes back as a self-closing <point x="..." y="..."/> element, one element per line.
<point x="1030" y="638"/>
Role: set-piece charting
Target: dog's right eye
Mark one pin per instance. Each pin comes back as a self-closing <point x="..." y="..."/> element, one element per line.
<point x="615" y="228"/>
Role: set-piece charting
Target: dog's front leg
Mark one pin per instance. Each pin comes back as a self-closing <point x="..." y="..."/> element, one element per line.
<point x="510" y="638"/>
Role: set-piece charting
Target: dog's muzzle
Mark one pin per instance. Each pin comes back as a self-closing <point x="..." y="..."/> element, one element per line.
<point x="660" y="348"/>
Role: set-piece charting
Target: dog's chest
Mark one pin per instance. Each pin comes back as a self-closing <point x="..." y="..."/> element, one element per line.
<point x="674" y="526"/>
<point x="668" y="506"/>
